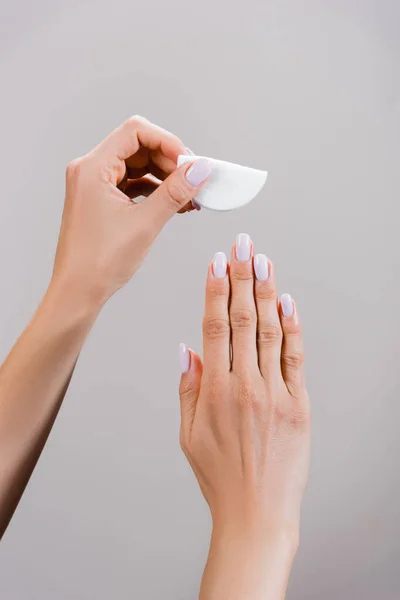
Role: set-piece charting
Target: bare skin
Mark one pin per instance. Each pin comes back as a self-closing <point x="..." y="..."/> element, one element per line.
<point x="245" y="411"/>
<point x="103" y="239"/>
<point x="246" y="428"/>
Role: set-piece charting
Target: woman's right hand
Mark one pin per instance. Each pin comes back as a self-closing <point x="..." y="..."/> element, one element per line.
<point x="104" y="235"/>
<point x="246" y="426"/>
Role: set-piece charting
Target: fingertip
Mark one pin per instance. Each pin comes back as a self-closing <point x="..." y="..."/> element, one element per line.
<point x="184" y="358"/>
<point x="198" y="172"/>
<point x="261" y="267"/>
<point x="189" y="361"/>
<point x="287" y="305"/>
<point x="219" y="265"/>
<point x="289" y="315"/>
<point x="196" y="205"/>
<point x="243" y="248"/>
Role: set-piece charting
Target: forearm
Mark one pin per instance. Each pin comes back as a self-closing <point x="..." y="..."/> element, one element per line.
<point x="33" y="381"/>
<point x="248" y="564"/>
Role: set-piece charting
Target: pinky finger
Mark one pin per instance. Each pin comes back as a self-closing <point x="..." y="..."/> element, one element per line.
<point x="292" y="358"/>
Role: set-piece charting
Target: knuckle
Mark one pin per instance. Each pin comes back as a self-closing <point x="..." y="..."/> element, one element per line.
<point x="242" y="272"/>
<point x="299" y="416"/>
<point x="135" y="121"/>
<point x="293" y="360"/>
<point x="266" y="291"/>
<point x="269" y="334"/>
<point x="217" y="288"/>
<point x="242" y="318"/>
<point x="186" y="391"/>
<point x="216" y="386"/>
<point x="292" y="329"/>
<point x="177" y="193"/>
<point x="248" y="398"/>
<point x="74" y="169"/>
<point x="215" y="328"/>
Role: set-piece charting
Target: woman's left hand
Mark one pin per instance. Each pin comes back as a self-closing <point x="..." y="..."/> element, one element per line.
<point x="246" y="426"/>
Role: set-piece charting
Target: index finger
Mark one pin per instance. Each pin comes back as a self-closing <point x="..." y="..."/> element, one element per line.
<point x="137" y="131"/>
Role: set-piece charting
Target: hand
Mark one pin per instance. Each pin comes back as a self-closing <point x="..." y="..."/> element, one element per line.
<point x="246" y="425"/>
<point x="104" y="235"/>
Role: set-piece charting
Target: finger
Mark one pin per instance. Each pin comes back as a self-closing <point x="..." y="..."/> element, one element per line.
<point x="145" y="186"/>
<point x="187" y="208"/>
<point x="145" y="161"/>
<point x="140" y="159"/>
<point x="269" y="330"/>
<point x="140" y="187"/>
<point x="162" y="162"/>
<point x="189" y="388"/>
<point x="216" y="328"/>
<point x="150" y="168"/>
<point x="242" y="313"/>
<point x="190" y="206"/>
<point x="126" y="140"/>
<point x="292" y="347"/>
<point x="176" y="192"/>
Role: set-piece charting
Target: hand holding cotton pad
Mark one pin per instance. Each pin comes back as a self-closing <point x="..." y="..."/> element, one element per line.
<point x="229" y="186"/>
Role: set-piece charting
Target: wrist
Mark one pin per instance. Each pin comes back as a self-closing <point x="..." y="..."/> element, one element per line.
<point x="72" y="297"/>
<point x="258" y="524"/>
<point x="252" y="561"/>
<point x="68" y="307"/>
<point x="261" y="537"/>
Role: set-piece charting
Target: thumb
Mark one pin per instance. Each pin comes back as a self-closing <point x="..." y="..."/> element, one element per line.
<point x="176" y="191"/>
<point x="189" y="389"/>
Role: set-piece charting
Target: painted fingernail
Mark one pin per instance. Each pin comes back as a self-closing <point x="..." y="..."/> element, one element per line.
<point x="196" y="205"/>
<point x="287" y="305"/>
<point x="243" y="247"/>
<point x="198" y="172"/>
<point x="261" y="268"/>
<point x="184" y="358"/>
<point x="219" y="265"/>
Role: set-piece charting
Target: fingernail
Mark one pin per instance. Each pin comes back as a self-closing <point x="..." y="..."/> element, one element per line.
<point x="184" y="358"/>
<point x="287" y="305"/>
<point x="198" y="172"/>
<point x="195" y="205"/>
<point x="189" y="151"/>
<point x="261" y="268"/>
<point x="219" y="265"/>
<point x="243" y="246"/>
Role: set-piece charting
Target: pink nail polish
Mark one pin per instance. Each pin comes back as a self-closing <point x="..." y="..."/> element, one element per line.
<point x="287" y="305"/>
<point x="261" y="267"/>
<point x="198" y="172"/>
<point x="243" y="247"/>
<point x="184" y="358"/>
<point x="219" y="265"/>
<point x="196" y="205"/>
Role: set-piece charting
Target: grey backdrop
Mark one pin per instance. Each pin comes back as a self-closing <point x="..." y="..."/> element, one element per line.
<point x="308" y="90"/>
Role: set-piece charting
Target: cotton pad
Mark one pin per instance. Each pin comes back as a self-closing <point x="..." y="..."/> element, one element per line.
<point x="229" y="186"/>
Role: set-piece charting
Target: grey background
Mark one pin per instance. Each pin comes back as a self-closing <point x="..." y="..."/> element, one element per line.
<point x="308" y="90"/>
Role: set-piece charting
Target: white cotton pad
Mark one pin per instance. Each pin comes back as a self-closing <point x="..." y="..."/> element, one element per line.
<point x="229" y="186"/>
